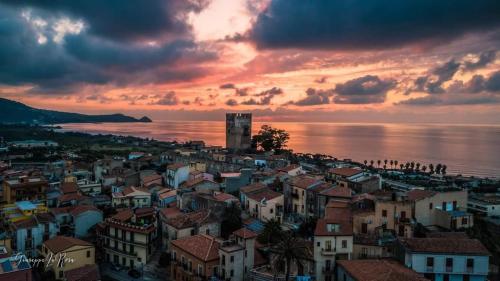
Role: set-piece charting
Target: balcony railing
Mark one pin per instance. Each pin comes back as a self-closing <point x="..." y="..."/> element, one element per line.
<point x="430" y="269"/>
<point x="328" y="251"/>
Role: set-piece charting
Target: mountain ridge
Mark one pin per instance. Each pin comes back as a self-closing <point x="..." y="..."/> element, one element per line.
<point x="17" y="112"/>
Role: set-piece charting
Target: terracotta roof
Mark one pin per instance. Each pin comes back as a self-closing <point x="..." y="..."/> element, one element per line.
<point x="338" y="191"/>
<point x="253" y="187"/>
<point x="189" y="219"/>
<point x="266" y="194"/>
<point x="123" y="215"/>
<point x="176" y="166"/>
<point x="71" y="196"/>
<point x="61" y="243"/>
<point x="379" y="270"/>
<point x="69" y="187"/>
<point x="194" y="182"/>
<point x="303" y="181"/>
<point x="84" y="273"/>
<point x="345" y="172"/>
<point x="202" y="246"/>
<point x="151" y="178"/>
<point x="289" y="168"/>
<point x="447" y="235"/>
<point x="245" y="233"/>
<point x="170" y="212"/>
<point x="83" y="208"/>
<point x="445" y="246"/>
<point x="418" y="194"/>
<point x="144" y="211"/>
<point x="322" y="227"/>
<point x="132" y="189"/>
<point x="222" y="197"/>
<point x="61" y="210"/>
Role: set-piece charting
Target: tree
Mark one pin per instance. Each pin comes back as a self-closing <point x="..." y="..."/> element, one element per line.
<point x="366" y="162"/>
<point x="392" y="163"/>
<point x="378" y="163"/>
<point x="431" y="168"/>
<point x="438" y="168"/>
<point x="272" y="232"/>
<point x="270" y="139"/>
<point x="401" y="166"/>
<point x="443" y="169"/>
<point x="396" y="163"/>
<point x="371" y="163"/>
<point x="289" y="249"/>
<point x="231" y="220"/>
<point x="424" y="168"/>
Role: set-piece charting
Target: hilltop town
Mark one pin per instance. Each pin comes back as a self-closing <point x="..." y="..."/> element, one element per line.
<point x="101" y="207"/>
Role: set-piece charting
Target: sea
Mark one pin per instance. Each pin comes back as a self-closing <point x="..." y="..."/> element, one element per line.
<point x="464" y="149"/>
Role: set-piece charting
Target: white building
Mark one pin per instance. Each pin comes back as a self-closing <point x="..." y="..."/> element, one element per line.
<point x="176" y="174"/>
<point x="132" y="197"/>
<point x="333" y="240"/>
<point x="487" y="205"/>
<point x="264" y="204"/>
<point x="237" y="255"/>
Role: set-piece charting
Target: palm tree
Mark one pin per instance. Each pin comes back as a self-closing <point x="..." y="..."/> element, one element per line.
<point x="290" y="249"/>
<point x="385" y="161"/>
<point x="418" y="166"/>
<point x="396" y="163"/>
<point x="431" y="168"/>
<point x="438" y="168"/>
<point x="424" y="168"/>
<point x="392" y="162"/>
<point x="378" y="163"/>
<point x="443" y="169"/>
<point x="366" y="162"/>
<point x="371" y="163"/>
<point x="412" y="165"/>
<point x="401" y="166"/>
<point x="385" y="167"/>
<point x="272" y="232"/>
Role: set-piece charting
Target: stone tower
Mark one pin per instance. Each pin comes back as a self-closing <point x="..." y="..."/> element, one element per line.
<point x="238" y="131"/>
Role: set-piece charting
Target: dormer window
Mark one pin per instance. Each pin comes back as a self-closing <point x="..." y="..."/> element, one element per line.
<point x="333" y="227"/>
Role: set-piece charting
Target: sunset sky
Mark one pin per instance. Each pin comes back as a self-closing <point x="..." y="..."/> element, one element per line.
<point x="283" y="60"/>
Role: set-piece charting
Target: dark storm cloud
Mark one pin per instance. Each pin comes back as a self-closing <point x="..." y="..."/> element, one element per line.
<point x="432" y="83"/>
<point x="363" y="90"/>
<point x="478" y="90"/>
<point x="169" y="98"/>
<point x="484" y="59"/>
<point x="265" y="97"/>
<point x="227" y="86"/>
<point x="368" y="24"/>
<point x="122" y="20"/>
<point x="84" y="59"/>
<point x="231" y="102"/>
<point x="314" y="97"/>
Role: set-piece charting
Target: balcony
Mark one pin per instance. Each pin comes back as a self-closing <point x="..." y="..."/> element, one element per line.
<point x="429" y="269"/>
<point x="328" y="251"/>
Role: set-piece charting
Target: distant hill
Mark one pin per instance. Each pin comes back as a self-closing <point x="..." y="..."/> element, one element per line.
<point x="16" y="112"/>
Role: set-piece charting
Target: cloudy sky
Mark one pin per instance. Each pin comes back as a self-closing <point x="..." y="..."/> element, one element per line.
<point x="283" y="60"/>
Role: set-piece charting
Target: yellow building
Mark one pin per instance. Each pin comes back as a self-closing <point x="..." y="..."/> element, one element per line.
<point x="63" y="253"/>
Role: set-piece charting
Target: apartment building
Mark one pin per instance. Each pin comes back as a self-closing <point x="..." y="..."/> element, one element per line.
<point x="129" y="237"/>
<point x="25" y="188"/>
<point x="28" y="234"/>
<point x="132" y="197"/>
<point x="445" y="259"/>
<point x="295" y="193"/>
<point x="485" y="205"/>
<point x="176" y="174"/>
<point x="263" y="203"/>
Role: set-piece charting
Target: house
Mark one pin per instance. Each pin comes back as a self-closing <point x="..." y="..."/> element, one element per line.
<point x="29" y="188"/>
<point x="232" y="182"/>
<point x="326" y="195"/>
<point x="14" y="268"/>
<point x="486" y="205"/>
<point x="89" y="188"/>
<point x="176" y="174"/>
<point x="30" y="233"/>
<point x="149" y="180"/>
<point x="295" y="193"/>
<point x="129" y="237"/>
<point x="375" y="270"/>
<point x="445" y="209"/>
<point x="201" y="200"/>
<point x="292" y="170"/>
<point x="356" y="179"/>
<point x="166" y="196"/>
<point x="194" y="256"/>
<point x="314" y="204"/>
<point x="264" y="204"/>
<point x="63" y="253"/>
<point x="333" y="240"/>
<point x="189" y="224"/>
<point x="445" y="258"/>
<point x="84" y="218"/>
<point x="132" y="197"/>
<point x="237" y="255"/>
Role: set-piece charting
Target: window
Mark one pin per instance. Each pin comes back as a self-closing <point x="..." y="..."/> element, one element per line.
<point x="190" y="265"/>
<point x="344" y="244"/>
<point x="384" y="213"/>
<point x="246" y="253"/>
<point x="207" y="232"/>
<point x="446" y="277"/>
<point x="328" y="245"/>
<point x="88" y="254"/>
<point x="449" y="264"/>
<point x="174" y="255"/>
<point x="430" y="264"/>
<point x="61" y="273"/>
<point x="223" y="259"/>
<point x="464" y="220"/>
<point x="232" y="259"/>
<point x="200" y="269"/>
<point x="470" y="265"/>
<point x="430" y="206"/>
<point x="232" y="273"/>
<point x="318" y="244"/>
<point x="271" y="210"/>
<point x="192" y="232"/>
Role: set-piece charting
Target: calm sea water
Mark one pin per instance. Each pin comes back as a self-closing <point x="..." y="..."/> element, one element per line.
<point x="465" y="149"/>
